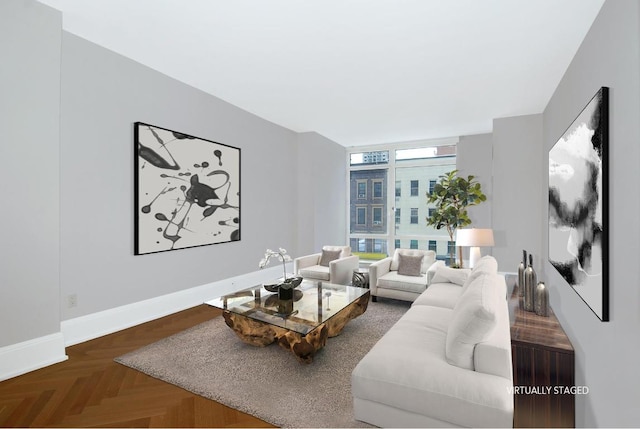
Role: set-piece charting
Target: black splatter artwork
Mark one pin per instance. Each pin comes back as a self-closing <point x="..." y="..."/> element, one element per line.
<point x="578" y="205"/>
<point x="187" y="191"/>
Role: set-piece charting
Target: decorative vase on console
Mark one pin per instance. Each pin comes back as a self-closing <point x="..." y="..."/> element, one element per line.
<point x="530" y="282"/>
<point x="542" y="300"/>
<point x="521" y="268"/>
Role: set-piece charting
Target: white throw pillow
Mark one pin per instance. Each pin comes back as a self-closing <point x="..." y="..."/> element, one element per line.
<point x="486" y="265"/>
<point x="446" y="274"/>
<point x="473" y="320"/>
<point x="429" y="258"/>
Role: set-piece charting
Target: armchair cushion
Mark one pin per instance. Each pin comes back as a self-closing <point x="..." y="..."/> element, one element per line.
<point x="395" y="281"/>
<point x="328" y="256"/>
<point x="410" y="265"/>
<point x="429" y="258"/>
<point x="345" y="250"/>
<point x="318" y="272"/>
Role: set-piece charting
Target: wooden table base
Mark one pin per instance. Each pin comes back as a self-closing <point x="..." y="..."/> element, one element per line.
<point x="304" y="347"/>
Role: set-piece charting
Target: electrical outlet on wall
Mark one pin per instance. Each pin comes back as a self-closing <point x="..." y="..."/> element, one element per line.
<point x="72" y="300"/>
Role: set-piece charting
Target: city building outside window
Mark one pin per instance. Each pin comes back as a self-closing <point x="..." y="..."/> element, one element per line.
<point x="433" y="245"/>
<point x="377" y="216"/>
<point x="398" y="188"/>
<point x="377" y="189"/>
<point x="362" y="190"/>
<point x="362" y="215"/>
<point x="413" y="244"/>
<point x="397" y="216"/>
<point x="432" y="185"/>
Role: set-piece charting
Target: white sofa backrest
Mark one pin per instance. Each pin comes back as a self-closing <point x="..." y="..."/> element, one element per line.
<point x="493" y="356"/>
<point x="474" y="319"/>
<point x="486" y="265"/>
<point x="429" y="258"/>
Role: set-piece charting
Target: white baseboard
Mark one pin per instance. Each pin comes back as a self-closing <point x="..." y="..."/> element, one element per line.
<point x="85" y="328"/>
<point x="18" y="359"/>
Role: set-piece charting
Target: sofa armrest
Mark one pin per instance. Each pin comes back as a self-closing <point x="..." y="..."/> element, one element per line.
<point x="341" y="270"/>
<point x="377" y="270"/>
<point x="305" y="261"/>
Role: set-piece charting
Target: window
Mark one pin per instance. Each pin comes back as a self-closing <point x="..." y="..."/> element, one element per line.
<point x="433" y="245"/>
<point x="431" y="212"/>
<point x="377" y="215"/>
<point x="362" y="190"/>
<point x="395" y="177"/>
<point x="432" y="185"/>
<point x="361" y="215"/>
<point x="414" y="188"/>
<point x="377" y="189"/>
<point x="414" y="215"/>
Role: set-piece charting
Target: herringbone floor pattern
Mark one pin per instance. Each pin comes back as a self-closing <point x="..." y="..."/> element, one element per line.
<point x="91" y="390"/>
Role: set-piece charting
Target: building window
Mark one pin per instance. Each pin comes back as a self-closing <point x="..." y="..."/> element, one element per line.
<point x="432" y="185"/>
<point x="361" y="215"/>
<point x="362" y="245"/>
<point x="397" y="243"/>
<point x="431" y="212"/>
<point x="414" y="216"/>
<point x="397" y="216"/>
<point x="414" y="188"/>
<point x="362" y="190"/>
<point x="377" y="215"/>
<point x="377" y="189"/>
<point x="414" y="244"/>
<point x="433" y="245"/>
<point x="398" y="188"/>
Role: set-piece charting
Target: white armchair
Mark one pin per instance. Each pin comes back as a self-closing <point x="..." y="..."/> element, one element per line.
<point x="334" y="265"/>
<point x="404" y="276"/>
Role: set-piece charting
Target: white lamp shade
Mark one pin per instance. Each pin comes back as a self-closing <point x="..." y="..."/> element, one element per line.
<point x="475" y="237"/>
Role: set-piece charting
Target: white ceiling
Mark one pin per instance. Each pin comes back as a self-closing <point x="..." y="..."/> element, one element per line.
<point x="356" y="71"/>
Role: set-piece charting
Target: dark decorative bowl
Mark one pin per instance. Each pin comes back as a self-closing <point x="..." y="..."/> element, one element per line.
<point x="273" y="287"/>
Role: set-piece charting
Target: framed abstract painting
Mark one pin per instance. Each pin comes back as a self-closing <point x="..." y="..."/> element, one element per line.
<point x="579" y="205"/>
<point x="186" y="191"/>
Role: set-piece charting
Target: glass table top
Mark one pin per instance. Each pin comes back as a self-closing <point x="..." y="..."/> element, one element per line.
<point x="313" y="304"/>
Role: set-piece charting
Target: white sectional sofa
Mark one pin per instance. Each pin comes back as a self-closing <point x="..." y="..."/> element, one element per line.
<point x="447" y="361"/>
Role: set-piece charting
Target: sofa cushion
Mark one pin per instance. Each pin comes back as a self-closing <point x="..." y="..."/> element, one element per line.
<point x="444" y="295"/>
<point x="446" y="274"/>
<point x="315" y="272"/>
<point x="410" y="265"/>
<point x="328" y="256"/>
<point x="406" y="369"/>
<point x="429" y="258"/>
<point x="474" y="318"/>
<point x="486" y="265"/>
<point x="393" y="280"/>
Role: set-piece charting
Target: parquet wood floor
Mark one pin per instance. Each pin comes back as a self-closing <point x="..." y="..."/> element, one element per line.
<point x="91" y="390"/>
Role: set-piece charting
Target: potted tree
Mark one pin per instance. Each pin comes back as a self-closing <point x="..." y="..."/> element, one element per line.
<point x="452" y="195"/>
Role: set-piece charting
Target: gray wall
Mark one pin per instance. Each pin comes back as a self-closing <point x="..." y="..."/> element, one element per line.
<point x="517" y="190"/>
<point x="475" y="157"/>
<point x="322" y="193"/>
<point x="606" y="353"/>
<point x="68" y="108"/>
<point x="29" y="115"/>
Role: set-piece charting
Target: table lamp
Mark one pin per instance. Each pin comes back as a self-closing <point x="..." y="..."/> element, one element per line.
<point x="474" y="238"/>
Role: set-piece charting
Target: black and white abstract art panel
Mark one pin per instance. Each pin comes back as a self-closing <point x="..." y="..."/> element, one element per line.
<point x="578" y="205"/>
<point x="187" y="191"/>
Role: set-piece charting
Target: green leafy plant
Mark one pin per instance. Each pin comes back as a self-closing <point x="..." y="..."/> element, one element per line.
<point x="452" y="195"/>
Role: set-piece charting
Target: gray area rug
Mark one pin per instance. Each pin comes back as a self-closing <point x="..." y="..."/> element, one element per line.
<point x="268" y="382"/>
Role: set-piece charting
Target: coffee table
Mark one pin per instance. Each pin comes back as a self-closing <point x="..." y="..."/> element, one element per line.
<point x="302" y="325"/>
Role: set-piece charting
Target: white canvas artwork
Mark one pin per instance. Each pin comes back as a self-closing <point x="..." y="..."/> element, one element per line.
<point x="187" y="191"/>
<point x="578" y="245"/>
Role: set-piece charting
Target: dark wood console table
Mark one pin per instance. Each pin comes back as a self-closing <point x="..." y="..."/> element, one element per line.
<point x="543" y="367"/>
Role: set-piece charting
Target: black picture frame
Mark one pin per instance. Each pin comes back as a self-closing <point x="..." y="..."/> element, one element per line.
<point x="579" y="204"/>
<point x="186" y="190"/>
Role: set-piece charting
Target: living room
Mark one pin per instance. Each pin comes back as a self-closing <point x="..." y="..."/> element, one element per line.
<point x="69" y="106"/>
